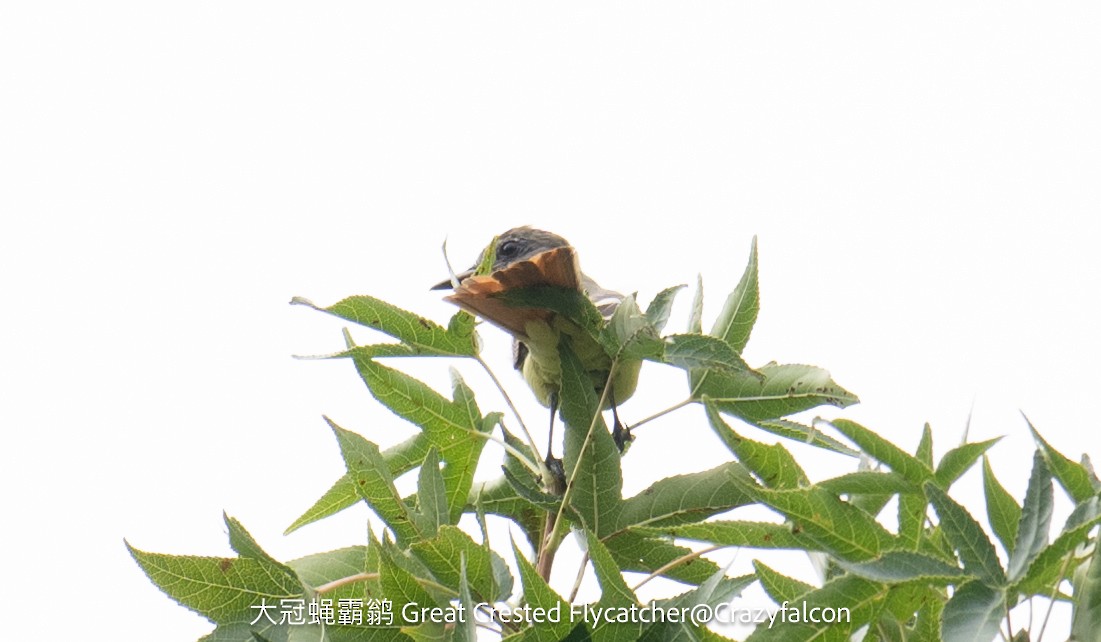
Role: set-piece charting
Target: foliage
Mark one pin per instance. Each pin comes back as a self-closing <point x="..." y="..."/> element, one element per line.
<point x="936" y="575"/>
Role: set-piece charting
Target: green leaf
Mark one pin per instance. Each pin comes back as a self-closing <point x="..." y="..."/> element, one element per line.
<point x="773" y="465"/>
<point x="695" y="316"/>
<point x="225" y="590"/>
<point x="973" y="613"/>
<point x="426" y="337"/>
<point x="591" y="458"/>
<point x="613" y="588"/>
<point x="1072" y="476"/>
<point x="738" y="533"/>
<point x="441" y="555"/>
<point x="1086" y="619"/>
<point x="341" y="495"/>
<point x="870" y="483"/>
<point x="657" y="313"/>
<point x="432" y="509"/>
<point x="804" y="434"/>
<point x="243" y="543"/>
<point x="739" y="313"/>
<point x="634" y="552"/>
<point x="687" y="498"/>
<point x="894" y="567"/>
<point x="1035" y="519"/>
<point x="957" y="461"/>
<point x="373" y="483"/>
<point x="1002" y="510"/>
<point x="863" y="598"/>
<point x="571" y="304"/>
<point x="884" y="451"/>
<point x="400" y="458"/>
<point x="924" y="452"/>
<point x="1048" y="567"/>
<point x="966" y="537"/>
<point x="716" y="589"/>
<point x="465" y="630"/>
<point x="629" y="334"/>
<point x="455" y="428"/>
<point x="402" y="587"/>
<point x="701" y="351"/>
<point x="785" y="390"/>
<point x="322" y="568"/>
<point x="780" y="588"/>
<point x="911" y="520"/>
<point x="840" y="528"/>
<point x="539" y="595"/>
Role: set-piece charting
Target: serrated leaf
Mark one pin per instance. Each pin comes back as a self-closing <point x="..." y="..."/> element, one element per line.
<point x="322" y="568"/>
<point x="371" y="478"/>
<point x="966" y="536"/>
<point x="685" y="498"/>
<point x="432" y="511"/>
<point x="739" y="533"/>
<point x="911" y="519"/>
<point x="591" y="459"/>
<point x="423" y="335"/>
<point x="870" y="483"/>
<point x="884" y="451"/>
<point x="465" y="630"/>
<point x="735" y="321"/>
<point x="797" y="432"/>
<point x="924" y="452"/>
<point x="629" y="333"/>
<point x="701" y="351"/>
<point x="957" y="461"/>
<point x="863" y="598"/>
<point x="779" y="587"/>
<point x="401" y="587"/>
<point x="455" y="427"/>
<point x="716" y="589"/>
<point x="539" y="595"/>
<point x="225" y="590"/>
<point x="1086" y="618"/>
<point x="1045" y="571"/>
<point x="1072" y="476"/>
<point x="785" y="389"/>
<point x="973" y="613"/>
<point x="894" y="567"/>
<point x="657" y="313"/>
<point x="634" y="552"/>
<point x="400" y="458"/>
<point x="1035" y="519"/>
<point x="1002" y="511"/>
<point x="695" y="316"/>
<point x="246" y="546"/>
<point x="840" y="528"/>
<point x="441" y="556"/>
<point x="772" y="464"/>
<point x="613" y="589"/>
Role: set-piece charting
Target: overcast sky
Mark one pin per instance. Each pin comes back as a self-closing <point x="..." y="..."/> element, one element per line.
<point x="923" y="182"/>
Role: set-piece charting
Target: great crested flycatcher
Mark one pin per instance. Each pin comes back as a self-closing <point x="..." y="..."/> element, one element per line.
<point x="531" y="258"/>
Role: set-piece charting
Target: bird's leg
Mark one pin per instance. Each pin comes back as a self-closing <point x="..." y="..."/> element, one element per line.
<point x="557" y="483"/>
<point x="621" y="433"/>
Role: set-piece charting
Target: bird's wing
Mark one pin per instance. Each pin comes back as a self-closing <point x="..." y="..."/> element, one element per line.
<point x="479" y="294"/>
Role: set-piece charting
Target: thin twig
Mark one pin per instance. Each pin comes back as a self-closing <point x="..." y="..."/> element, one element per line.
<point x="661" y="413"/>
<point x="580" y="576"/>
<point x="677" y="562"/>
<point x="1054" y="590"/>
<point x="508" y="401"/>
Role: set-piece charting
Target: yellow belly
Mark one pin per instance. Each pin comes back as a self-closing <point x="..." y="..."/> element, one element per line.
<point x="543" y="368"/>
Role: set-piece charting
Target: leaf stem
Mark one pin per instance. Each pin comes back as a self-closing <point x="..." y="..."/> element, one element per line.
<point x="662" y="413"/>
<point x="580" y="576"/>
<point x="677" y="562"/>
<point x="508" y="401"/>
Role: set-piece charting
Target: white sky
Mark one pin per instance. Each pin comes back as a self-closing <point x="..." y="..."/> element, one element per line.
<point x="923" y="180"/>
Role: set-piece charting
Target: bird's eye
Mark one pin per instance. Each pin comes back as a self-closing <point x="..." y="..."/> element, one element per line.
<point x="507" y="249"/>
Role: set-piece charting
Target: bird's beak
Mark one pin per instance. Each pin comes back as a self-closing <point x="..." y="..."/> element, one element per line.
<point x="454" y="281"/>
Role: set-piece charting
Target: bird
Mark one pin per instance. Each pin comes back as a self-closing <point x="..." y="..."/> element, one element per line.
<point x="528" y="258"/>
